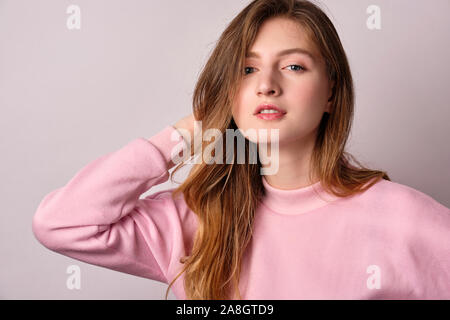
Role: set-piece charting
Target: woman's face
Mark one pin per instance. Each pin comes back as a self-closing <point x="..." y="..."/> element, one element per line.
<point x="280" y="80"/>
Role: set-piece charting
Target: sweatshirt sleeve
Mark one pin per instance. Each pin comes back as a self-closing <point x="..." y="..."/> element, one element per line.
<point x="428" y="248"/>
<point x="98" y="218"/>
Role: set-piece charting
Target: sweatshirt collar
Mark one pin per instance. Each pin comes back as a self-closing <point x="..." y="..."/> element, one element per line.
<point x="296" y="201"/>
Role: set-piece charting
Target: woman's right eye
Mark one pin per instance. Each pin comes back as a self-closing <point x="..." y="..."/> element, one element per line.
<point x="246" y="68"/>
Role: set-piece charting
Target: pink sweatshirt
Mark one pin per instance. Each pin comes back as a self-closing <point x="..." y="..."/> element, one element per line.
<point x="391" y="242"/>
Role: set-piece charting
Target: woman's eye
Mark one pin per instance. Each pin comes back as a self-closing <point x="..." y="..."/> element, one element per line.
<point x="296" y="65"/>
<point x="246" y="68"/>
<point x="297" y="68"/>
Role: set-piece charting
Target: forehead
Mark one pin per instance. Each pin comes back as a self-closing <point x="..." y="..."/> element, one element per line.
<point x="282" y="36"/>
<point x="285" y="52"/>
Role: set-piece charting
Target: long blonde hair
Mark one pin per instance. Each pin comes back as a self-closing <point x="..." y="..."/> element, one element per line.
<point x="225" y="196"/>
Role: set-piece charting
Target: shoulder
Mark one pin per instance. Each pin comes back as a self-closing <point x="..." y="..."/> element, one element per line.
<point x="403" y="196"/>
<point x="407" y="204"/>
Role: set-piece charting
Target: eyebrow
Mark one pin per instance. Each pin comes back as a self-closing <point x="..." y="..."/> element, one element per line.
<point x="284" y="53"/>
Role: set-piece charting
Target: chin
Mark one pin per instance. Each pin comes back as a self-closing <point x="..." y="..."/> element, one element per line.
<point x="260" y="135"/>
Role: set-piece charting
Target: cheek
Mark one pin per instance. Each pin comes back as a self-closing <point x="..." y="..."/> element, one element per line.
<point x="310" y="95"/>
<point x="236" y="109"/>
<point x="304" y="89"/>
<point x="240" y="106"/>
<point x="237" y="112"/>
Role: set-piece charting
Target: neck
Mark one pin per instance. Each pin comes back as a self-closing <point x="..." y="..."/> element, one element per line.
<point x="293" y="164"/>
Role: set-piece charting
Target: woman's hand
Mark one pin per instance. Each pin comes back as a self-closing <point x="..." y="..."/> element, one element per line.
<point x="186" y="123"/>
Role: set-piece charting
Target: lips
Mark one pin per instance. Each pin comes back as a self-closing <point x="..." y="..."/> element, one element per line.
<point x="265" y="106"/>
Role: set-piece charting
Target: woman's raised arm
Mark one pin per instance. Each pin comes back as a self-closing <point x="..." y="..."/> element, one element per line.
<point x="98" y="218"/>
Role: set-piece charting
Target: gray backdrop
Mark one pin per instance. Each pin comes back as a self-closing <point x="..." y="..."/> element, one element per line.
<point x="68" y="96"/>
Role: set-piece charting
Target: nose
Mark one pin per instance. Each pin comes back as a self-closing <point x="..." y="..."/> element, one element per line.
<point x="268" y="85"/>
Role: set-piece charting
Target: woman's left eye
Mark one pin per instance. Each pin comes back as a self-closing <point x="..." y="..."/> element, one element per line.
<point x="296" y="65"/>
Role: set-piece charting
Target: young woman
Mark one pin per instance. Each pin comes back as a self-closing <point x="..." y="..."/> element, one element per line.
<point x="319" y="227"/>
